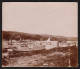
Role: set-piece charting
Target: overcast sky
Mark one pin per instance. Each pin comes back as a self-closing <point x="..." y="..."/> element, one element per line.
<point x="53" y="18"/>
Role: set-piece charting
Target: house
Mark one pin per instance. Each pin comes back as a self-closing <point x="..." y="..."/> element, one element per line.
<point x="72" y="43"/>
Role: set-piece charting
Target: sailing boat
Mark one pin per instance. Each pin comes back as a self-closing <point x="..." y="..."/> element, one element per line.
<point x="48" y="44"/>
<point x="48" y="40"/>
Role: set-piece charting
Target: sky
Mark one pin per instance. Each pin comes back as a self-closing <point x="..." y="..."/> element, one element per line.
<point x="52" y="18"/>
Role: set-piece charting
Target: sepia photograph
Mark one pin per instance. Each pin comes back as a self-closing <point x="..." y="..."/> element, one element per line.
<point x="39" y="34"/>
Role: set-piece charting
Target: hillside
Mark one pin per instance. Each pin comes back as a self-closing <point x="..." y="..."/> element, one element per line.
<point x="7" y="35"/>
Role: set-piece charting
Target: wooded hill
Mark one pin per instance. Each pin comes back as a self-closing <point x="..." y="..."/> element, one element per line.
<point x="7" y="35"/>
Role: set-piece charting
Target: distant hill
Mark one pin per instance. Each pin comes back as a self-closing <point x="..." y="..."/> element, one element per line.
<point x="7" y="35"/>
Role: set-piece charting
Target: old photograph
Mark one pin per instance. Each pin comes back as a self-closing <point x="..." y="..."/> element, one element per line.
<point x="39" y="34"/>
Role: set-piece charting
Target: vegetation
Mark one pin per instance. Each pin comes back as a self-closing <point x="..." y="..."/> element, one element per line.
<point x="7" y="35"/>
<point x="56" y="57"/>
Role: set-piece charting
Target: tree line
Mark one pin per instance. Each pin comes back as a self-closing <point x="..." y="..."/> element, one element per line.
<point x="7" y="35"/>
